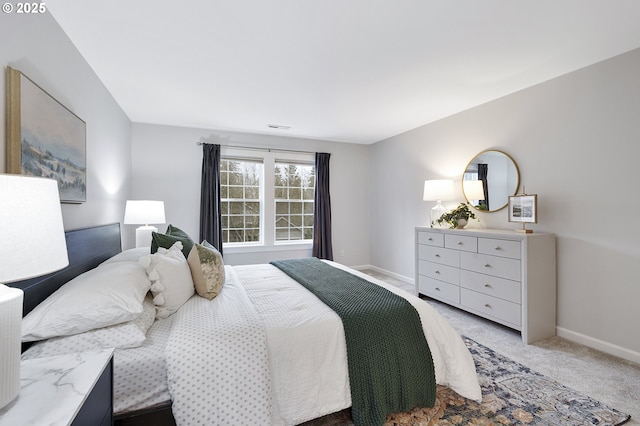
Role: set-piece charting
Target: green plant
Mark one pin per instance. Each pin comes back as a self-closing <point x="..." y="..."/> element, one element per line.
<point x="452" y="217"/>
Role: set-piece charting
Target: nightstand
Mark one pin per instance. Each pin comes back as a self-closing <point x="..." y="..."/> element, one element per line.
<point x="74" y="389"/>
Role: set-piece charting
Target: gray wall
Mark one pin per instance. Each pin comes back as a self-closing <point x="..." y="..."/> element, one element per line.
<point x="167" y="166"/>
<point x="576" y="142"/>
<point x="35" y="45"/>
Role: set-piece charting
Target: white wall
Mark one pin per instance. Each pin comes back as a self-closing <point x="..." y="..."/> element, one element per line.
<point x="576" y="142"/>
<point x="35" y="45"/>
<point x="167" y="166"/>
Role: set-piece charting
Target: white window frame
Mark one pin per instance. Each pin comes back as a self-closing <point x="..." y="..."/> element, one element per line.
<point x="267" y="197"/>
<point x="260" y="200"/>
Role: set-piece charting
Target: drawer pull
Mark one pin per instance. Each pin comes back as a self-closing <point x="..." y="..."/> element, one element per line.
<point x="486" y="305"/>
<point x="429" y="239"/>
<point x="486" y="265"/>
<point x="437" y="272"/>
<point x="460" y="243"/>
<point x="497" y="248"/>
<point x="437" y="288"/>
<point x="437" y="255"/>
<point x="487" y="285"/>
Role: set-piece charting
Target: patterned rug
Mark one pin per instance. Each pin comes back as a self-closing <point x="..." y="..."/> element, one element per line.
<point x="512" y="394"/>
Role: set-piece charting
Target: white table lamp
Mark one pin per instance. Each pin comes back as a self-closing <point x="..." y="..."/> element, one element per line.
<point x="144" y="212"/>
<point x="437" y="190"/>
<point x="33" y="244"/>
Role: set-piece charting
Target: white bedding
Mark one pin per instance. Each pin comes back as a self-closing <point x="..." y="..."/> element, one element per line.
<point x="307" y="350"/>
<point x="139" y="374"/>
<point x="294" y="343"/>
<point x="217" y="362"/>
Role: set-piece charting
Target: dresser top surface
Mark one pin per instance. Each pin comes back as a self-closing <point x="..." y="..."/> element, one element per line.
<point x="510" y="234"/>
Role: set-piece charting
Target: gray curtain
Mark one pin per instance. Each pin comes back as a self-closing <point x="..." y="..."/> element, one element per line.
<point x="483" y="172"/>
<point x="322" y="210"/>
<point x="210" y="206"/>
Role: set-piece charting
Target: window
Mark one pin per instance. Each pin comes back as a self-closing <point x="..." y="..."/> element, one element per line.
<point x="266" y="200"/>
<point x="240" y="182"/>
<point x="294" y="191"/>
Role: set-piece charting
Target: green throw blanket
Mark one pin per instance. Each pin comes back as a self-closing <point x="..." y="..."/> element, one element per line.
<point x="390" y="364"/>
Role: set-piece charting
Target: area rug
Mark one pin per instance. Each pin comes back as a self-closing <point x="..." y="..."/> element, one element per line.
<point x="512" y="394"/>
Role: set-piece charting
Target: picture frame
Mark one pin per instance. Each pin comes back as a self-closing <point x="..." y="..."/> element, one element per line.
<point x="45" y="138"/>
<point x="523" y="208"/>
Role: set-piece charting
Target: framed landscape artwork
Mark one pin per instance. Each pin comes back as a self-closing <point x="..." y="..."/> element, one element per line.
<point x="44" y="138"/>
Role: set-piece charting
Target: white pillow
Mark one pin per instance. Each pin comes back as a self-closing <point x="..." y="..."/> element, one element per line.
<point x="107" y="295"/>
<point x="130" y="334"/>
<point x="171" y="283"/>
<point x="130" y="255"/>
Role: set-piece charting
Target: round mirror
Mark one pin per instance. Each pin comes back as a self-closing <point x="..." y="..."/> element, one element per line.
<point x="489" y="179"/>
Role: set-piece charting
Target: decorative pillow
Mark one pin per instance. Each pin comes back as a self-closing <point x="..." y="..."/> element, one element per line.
<point x="130" y="334"/>
<point x="170" y="237"/>
<point x="107" y="295"/>
<point x="130" y="255"/>
<point x="207" y="269"/>
<point x="176" y="232"/>
<point x="171" y="279"/>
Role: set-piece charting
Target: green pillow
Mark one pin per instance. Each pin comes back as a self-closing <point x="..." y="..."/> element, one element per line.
<point x="167" y="239"/>
<point x="174" y="231"/>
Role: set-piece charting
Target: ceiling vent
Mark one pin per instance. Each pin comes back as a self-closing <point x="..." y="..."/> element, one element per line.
<point x="278" y="126"/>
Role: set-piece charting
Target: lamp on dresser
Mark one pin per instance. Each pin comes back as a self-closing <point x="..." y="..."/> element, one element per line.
<point x="437" y="190"/>
<point x="144" y="212"/>
<point x="33" y="244"/>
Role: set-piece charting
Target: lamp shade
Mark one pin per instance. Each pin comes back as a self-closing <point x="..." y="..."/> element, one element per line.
<point x="144" y="212"/>
<point x="33" y="240"/>
<point x="33" y="244"/>
<point x="473" y="189"/>
<point x="438" y="189"/>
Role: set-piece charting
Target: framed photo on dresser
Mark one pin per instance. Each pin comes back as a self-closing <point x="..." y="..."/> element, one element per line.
<point x="523" y="208"/>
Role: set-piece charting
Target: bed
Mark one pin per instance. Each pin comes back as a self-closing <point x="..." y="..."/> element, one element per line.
<point x="276" y="354"/>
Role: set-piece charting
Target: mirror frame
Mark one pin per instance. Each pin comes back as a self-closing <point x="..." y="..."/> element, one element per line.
<point x="515" y="191"/>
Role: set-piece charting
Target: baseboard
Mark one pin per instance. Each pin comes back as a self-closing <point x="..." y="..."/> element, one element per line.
<point x="600" y="345"/>
<point x="385" y="272"/>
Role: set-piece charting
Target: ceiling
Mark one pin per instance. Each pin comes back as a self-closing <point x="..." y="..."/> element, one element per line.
<point x="344" y="70"/>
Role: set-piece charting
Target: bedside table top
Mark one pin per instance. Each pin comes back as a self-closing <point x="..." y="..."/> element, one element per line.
<point x="53" y="389"/>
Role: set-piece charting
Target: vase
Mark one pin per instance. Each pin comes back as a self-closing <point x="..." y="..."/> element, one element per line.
<point x="461" y="223"/>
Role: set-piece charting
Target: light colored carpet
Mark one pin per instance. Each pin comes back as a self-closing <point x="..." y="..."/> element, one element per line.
<point x="608" y="379"/>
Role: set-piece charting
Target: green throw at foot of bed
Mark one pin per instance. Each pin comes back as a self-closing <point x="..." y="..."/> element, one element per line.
<point x="390" y="364"/>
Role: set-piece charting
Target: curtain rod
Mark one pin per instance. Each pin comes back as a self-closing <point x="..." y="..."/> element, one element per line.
<point x="259" y="148"/>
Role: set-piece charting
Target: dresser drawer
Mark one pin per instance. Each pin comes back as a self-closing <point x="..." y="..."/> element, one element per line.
<point x="493" y="307"/>
<point x="439" y="255"/>
<point x="439" y="272"/>
<point x="431" y="238"/>
<point x="491" y="265"/>
<point x="491" y="286"/>
<point x="503" y="248"/>
<point x="461" y="242"/>
<point x="439" y="290"/>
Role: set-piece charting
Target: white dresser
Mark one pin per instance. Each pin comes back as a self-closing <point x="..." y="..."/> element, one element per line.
<point x="502" y="275"/>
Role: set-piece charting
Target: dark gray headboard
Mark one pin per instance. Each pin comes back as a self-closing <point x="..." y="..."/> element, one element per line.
<point x="87" y="248"/>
